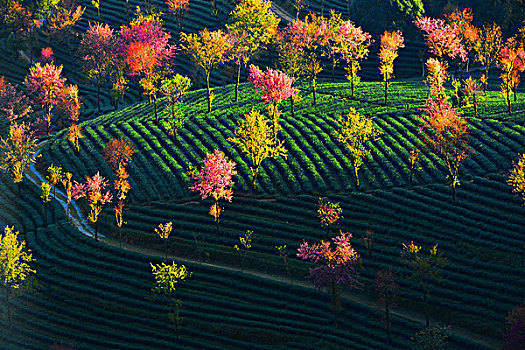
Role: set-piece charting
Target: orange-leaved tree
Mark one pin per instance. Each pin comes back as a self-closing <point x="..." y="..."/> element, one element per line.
<point x="391" y="42"/>
<point x="511" y="60"/>
<point x="446" y="131"/>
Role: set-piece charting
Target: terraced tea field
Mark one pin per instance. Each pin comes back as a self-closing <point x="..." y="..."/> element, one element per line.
<point x="98" y="296"/>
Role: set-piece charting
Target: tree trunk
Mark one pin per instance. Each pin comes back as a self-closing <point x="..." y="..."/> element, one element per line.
<point x="292" y="106"/>
<point x="275" y="122"/>
<point x="356" y="178"/>
<point x="352" y="77"/>
<point x="425" y="299"/>
<point x="314" y="85"/>
<point x="96" y="230"/>
<point x="255" y="173"/>
<point x="98" y="95"/>
<point x="237" y="83"/>
<point x="386" y="91"/>
<point x="156" y="111"/>
<point x="209" y="91"/>
<point x="166" y="246"/>
<point x="334" y="63"/>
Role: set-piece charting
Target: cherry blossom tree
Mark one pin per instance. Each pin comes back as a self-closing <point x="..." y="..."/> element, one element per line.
<point x="468" y="34"/>
<point x="391" y="42"/>
<point x="142" y="61"/>
<point x="14" y="104"/>
<point x="75" y="133"/>
<point x="97" y="52"/>
<point x="436" y="76"/>
<point x="424" y="271"/>
<point x="387" y="288"/>
<point x="336" y="265"/>
<point x="145" y="46"/>
<point x="353" y="44"/>
<point x="310" y="34"/>
<point x="275" y="86"/>
<point x="46" y="84"/>
<point x="207" y="49"/>
<point x="92" y="190"/>
<point x="214" y="180"/>
<point x="441" y="38"/>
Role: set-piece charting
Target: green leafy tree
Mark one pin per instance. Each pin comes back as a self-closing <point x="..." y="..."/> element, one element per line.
<point x="173" y="88"/>
<point x="425" y="271"/>
<point x="15" y="267"/>
<point x="255" y="138"/>
<point x="353" y="132"/>
<point x="252" y="30"/>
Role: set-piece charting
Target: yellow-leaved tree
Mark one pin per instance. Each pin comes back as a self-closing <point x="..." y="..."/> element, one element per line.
<point x="15" y="267"/>
<point x="207" y="49"/>
<point x="354" y="132"/>
<point x="256" y="138"/>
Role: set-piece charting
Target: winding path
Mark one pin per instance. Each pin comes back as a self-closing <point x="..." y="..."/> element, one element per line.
<point x="83" y="226"/>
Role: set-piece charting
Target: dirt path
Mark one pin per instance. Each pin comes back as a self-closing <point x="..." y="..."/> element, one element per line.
<point x="83" y="226"/>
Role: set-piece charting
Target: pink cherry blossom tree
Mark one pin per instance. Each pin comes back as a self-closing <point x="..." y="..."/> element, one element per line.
<point x="336" y="265"/>
<point x="352" y="43"/>
<point x="442" y="38"/>
<point x="92" y="190"/>
<point x="275" y="86"/>
<point x="14" y="104"/>
<point x="310" y="35"/>
<point x="214" y="180"/>
<point x="97" y="52"/>
<point x="46" y="84"/>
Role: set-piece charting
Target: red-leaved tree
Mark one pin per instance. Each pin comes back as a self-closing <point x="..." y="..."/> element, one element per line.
<point x="441" y="38"/>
